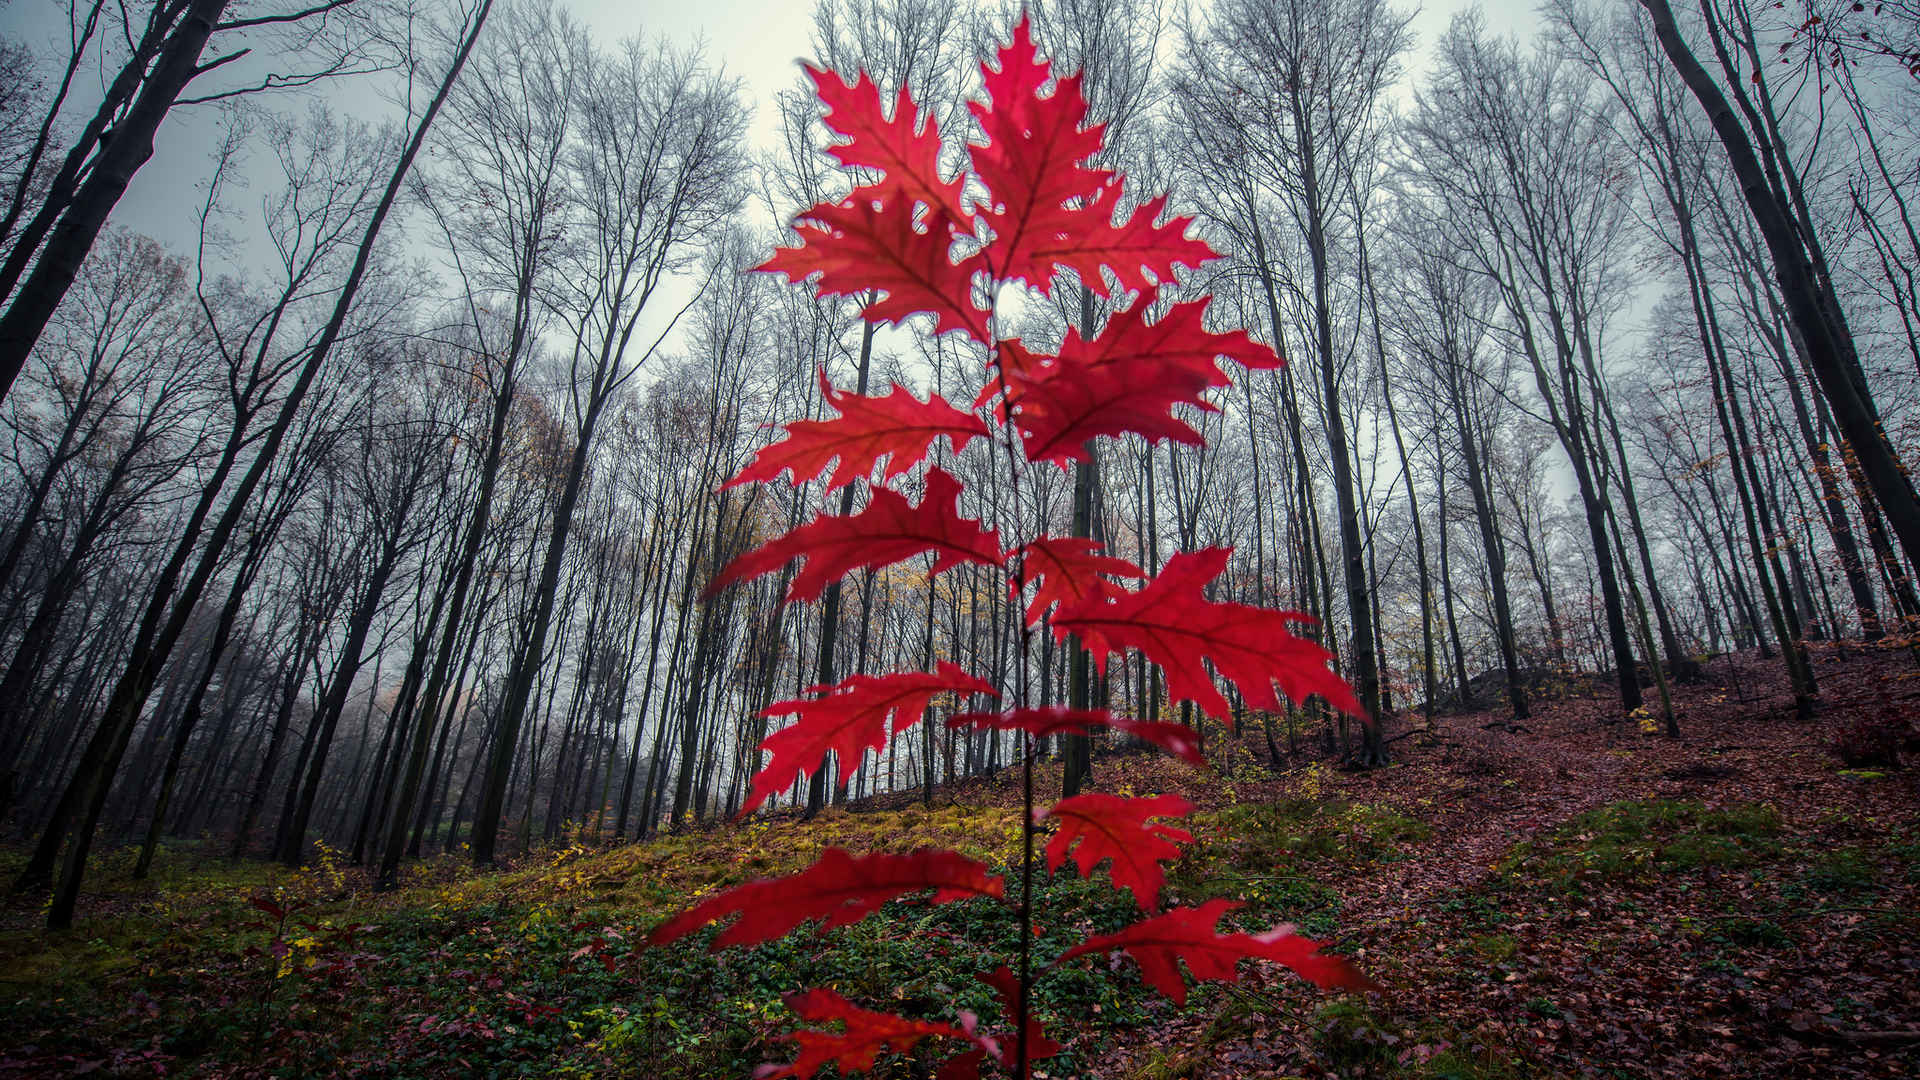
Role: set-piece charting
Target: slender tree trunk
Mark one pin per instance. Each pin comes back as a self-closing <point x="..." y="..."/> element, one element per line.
<point x="830" y="604"/>
<point x="107" y="177"/>
<point x="1809" y="301"/>
<point x="1076" y="757"/>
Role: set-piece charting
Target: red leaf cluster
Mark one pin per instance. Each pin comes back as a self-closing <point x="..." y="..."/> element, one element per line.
<point x="866" y="1034"/>
<point x="877" y="242"/>
<point x="1128" y="380"/>
<point x="1159" y="944"/>
<point x="1173" y="623"/>
<point x="906" y="152"/>
<point x="1050" y="207"/>
<point x="849" y="718"/>
<point x="1065" y="570"/>
<point x="888" y="530"/>
<point x="1096" y="827"/>
<point x="910" y="239"/>
<point x="860" y="250"/>
<point x="896" y="425"/>
<point x="839" y="889"/>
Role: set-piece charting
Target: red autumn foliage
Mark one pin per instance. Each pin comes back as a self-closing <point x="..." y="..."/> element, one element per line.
<point x="906" y="152"/>
<point x="1007" y="988"/>
<point x="1129" y="379"/>
<point x="1096" y="827"/>
<point x="896" y="426"/>
<point x="891" y="244"/>
<point x="1048" y="206"/>
<point x="1178" y="337"/>
<point x="1187" y="934"/>
<point x="1065" y="403"/>
<point x="866" y="1034"/>
<point x="850" y="717"/>
<point x="1173" y="623"/>
<point x="889" y="530"/>
<point x="1065" y="570"/>
<point x="858" y="249"/>
<point x="840" y="889"/>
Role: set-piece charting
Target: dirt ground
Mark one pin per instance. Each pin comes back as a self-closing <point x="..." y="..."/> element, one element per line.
<point x="1588" y="899"/>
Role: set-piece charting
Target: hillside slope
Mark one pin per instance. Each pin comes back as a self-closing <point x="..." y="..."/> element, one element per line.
<point x="1580" y="898"/>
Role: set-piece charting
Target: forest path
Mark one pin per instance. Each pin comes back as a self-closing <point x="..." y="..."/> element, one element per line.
<point x="1745" y="906"/>
<point x="1479" y="820"/>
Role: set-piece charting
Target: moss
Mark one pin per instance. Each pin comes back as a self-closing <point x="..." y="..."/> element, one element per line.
<point x="1167" y="1064"/>
<point x="1742" y="930"/>
<point x="1907" y="855"/>
<point x="1353" y="1038"/>
<point x="1238" y="1015"/>
<point x="1459" y="1065"/>
<point x="1636" y="838"/>
<point x="1843" y="871"/>
<point x="1314" y="830"/>
<point x="1695" y="851"/>
<point x="1741" y="819"/>
<point x="1493" y="948"/>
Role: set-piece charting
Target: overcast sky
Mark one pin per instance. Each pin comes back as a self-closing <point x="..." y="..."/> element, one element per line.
<point x="758" y="41"/>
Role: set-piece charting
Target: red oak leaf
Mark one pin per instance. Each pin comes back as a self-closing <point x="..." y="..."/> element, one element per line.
<point x="1175" y="626"/>
<point x="888" y="530"/>
<point x="896" y="425"/>
<point x="1066" y="570"/>
<point x="1001" y="1048"/>
<point x="853" y="1050"/>
<point x="1073" y="401"/>
<point x="1179" y="336"/>
<point x="1096" y="826"/>
<point x="1033" y="161"/>
<point x="1160" y="943"/>
<point x="1090" y="242"/>
<point x="909" y="158"/>
<point x="838" y="889"/>
<point x="963" y="1067"/>
<point x="1175" y="739"/>
<point x="858" y="247"/>
<point x="848" y="720"/>
<point x="1128" y="379"/>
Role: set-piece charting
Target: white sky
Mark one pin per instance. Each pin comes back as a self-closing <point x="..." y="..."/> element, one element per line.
<point x="758" y="41"/>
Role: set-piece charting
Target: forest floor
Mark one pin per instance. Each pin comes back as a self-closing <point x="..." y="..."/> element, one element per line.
<point x="1580" y="898"/>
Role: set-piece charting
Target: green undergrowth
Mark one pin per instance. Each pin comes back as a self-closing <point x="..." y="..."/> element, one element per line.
<point x="1636" y="839"/>
<point x="1310" y="830"/>
<point x="1284" y="860"/>
<point x="539" y="970"/>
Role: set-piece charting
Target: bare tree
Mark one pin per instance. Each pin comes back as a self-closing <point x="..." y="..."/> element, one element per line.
<point x="1760" y="156"/>
<point x="1314" y="74"/>
<point x="163" y="622"/>
<point x="656" y="170"/>
<point x="1441" y="317"/>
<point x="162" y="59"/>
<point x="1505" y="146"/>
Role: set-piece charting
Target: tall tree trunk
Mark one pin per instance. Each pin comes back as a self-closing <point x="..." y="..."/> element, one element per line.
<point x="1446" y="595"/>
<point x="1076" y="757"/>
<point x="1496" y="555"/>
<point x="830" y="604"/>
<point x="1814" y="310"/>
<point x="107" y="177"/>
